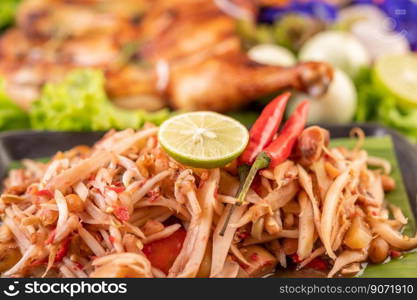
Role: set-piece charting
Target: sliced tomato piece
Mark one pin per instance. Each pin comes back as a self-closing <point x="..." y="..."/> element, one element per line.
<point x="117" y="189"/>
<point x="162" y="253"/>
<point x="45" y="193"/>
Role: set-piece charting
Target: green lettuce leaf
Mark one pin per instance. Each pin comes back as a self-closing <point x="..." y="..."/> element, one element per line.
<point x="247" y="118"/>
<point x="80" y="103"/>
<point x="7" y="11"/>
<point x="11" y="115"/>
<point x="374" y="106"/>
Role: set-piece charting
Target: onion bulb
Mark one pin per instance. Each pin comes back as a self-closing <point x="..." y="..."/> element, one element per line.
<point x="341" y="49"/>
<point x="273" y="55"/>
<point x="337" y="106"/>
<point x="374" y="29"/>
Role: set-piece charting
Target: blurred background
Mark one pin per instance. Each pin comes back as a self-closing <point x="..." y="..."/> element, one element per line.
<point x="83" y="65"/>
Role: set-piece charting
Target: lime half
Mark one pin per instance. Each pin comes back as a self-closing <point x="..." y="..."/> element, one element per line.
<point x="203" y="139"/>
<point x="397" y="75"/>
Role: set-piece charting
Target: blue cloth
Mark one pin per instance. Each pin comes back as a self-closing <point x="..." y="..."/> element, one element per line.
<point x="313" y="8"/>
<point x="403" y="14"/>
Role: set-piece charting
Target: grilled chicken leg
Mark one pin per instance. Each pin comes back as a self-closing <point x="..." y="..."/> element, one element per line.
<point x="225" y="83"/>
<point x="186" y="53"/>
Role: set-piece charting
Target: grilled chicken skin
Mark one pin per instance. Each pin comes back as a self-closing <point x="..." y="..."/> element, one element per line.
<point x="185" y="53"/>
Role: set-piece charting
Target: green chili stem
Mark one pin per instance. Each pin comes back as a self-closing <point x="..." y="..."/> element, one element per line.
<point x="262" y="161"/>
<point x="246" y="177"/>
<point x="243" y="171"/>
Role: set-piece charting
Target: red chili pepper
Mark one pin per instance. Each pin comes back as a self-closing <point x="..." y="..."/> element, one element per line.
<point x="38" y="262"/>
<point x="275" y="153"/>
<point x="117" y="189"/>
<point x="162" y="253"/>
<point x="45" y="193"/>
<point x="264" y="129"/>
<point x="63" y="250"/>
<point x="122" y="213"/>
<point x="280" y="149"/>
<point x="257" y="185"/>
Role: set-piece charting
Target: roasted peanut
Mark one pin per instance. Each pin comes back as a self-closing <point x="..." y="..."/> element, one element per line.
<point x="388" y="183"/>
<point x="9" y="256"/>
<point x="75" y="204"/>
<point x="49" y="217"/>
<point x="5" y="234"/>
<point x="379" y="250"/>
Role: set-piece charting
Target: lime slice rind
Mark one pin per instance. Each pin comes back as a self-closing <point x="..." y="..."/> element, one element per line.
<point x="203" y="139"/>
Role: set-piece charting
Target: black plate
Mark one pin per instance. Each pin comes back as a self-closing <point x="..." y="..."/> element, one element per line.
<point x="34" y="144"/>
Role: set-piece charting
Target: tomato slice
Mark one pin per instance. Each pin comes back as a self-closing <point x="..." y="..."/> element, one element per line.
<point x="45" y="193"/>
<point x="162" y="253"/>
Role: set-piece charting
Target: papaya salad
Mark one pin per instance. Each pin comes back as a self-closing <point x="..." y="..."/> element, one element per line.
<point x="126" y="208"/>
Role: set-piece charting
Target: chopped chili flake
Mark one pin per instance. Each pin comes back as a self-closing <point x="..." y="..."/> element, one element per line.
<point x="254" y="256"/>
<point x="63" y="250"/>
<point x="79" y="266"/>
<point x="51" y="237"/>
<point x="295" y="258"/>
<point x="45" y="193"/>
<point x="243" y="235"/>
<point x="112" y="239"/>
<point x="117" y="189"/>
<point x="153" y="195"/>
<point x="243" y="265"/>
<point x="318" y="264"/>
<point x="141" y="184"/>
<point x="38" y="262"/>
<point x="395" y="253"/>
<point x="122" y="213"/>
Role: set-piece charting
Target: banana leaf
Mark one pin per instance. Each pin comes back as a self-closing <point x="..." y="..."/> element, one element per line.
<point x="405" y="266"/>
